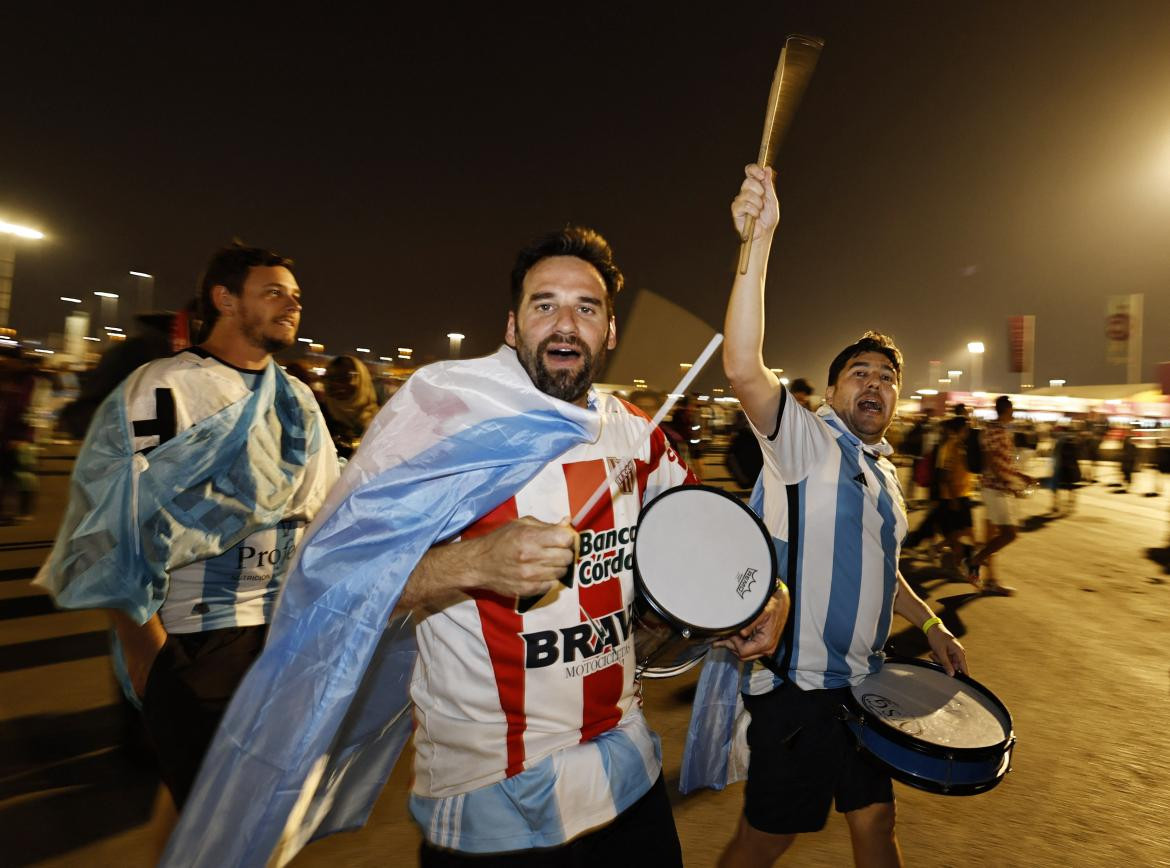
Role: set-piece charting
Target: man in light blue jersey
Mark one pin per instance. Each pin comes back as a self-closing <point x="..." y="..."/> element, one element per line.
<point x="832" y="502"/>
<point x="189" y="495"/>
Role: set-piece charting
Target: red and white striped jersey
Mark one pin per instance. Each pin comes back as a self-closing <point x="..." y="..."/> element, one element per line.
<point x="497" y="691"/>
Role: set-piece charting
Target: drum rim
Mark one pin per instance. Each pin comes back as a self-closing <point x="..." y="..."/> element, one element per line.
<point x="929" y="748"/>
<point x="931" y="785"/>
<point x="660" y="610"/>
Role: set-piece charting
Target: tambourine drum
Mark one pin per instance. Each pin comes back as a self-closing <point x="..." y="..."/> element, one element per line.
<point x="939" y="733"/>
<point x="704" y="567"/>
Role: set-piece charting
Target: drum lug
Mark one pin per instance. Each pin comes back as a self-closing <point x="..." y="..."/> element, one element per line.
<point x="847" y="716"/>
<point x="686" y="633"/>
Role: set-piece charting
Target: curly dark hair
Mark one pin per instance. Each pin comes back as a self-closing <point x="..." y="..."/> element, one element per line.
<point x="580" y="241"/>
<point x="870" y="342"/>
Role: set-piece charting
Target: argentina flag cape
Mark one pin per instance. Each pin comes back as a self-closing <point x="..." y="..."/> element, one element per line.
<point x="715" y="753"/>
<point x="133" y="518"/>
<point x="314" y="729"/>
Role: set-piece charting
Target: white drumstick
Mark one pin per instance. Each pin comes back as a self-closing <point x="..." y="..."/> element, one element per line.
<point x="673" y="397"/>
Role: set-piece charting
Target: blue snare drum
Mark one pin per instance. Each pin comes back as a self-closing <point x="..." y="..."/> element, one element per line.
<point x="943" y="734"/>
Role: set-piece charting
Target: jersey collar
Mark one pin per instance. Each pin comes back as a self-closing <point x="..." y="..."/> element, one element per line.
<point x="830" y="418"/>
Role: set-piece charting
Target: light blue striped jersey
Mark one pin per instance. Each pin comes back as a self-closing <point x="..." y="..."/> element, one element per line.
<point x="237" y="587"/>
<point x="838" y="501"/>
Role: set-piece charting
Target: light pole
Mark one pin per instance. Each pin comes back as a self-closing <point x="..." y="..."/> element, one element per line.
<point x="145" y="288"/>
<point x="975" y="348"/>
<point x="109" y="307"/>
<point x="456" y="343"/>
<point x="76" y="327"/>
<point x="9" y="232"/>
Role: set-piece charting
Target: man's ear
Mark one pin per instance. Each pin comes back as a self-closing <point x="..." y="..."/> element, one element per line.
<point x="611" y="340"/>
<point x="223" y="299"/>
<point x="510" y="330"/>
<point x="829" y="394"/>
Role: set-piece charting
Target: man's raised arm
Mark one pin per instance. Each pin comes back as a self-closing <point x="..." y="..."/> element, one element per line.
<point x="743" y="357"/>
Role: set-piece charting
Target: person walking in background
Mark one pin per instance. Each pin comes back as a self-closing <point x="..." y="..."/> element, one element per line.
<point x="1002" y="483"/>
<point x="802" y="391"/>
<point x="18" y="481"/>
<point x="1066" y="469"/>
<point x="955" y="487"/>
<point x="349" y="402"/>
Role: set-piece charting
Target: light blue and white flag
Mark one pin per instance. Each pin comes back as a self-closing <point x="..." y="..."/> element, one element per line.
<point x="134" y="517"/>
<point x="313" y="731"/>
<point x="715" y="753"/>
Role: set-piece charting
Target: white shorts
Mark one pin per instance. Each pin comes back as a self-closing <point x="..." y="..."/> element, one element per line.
<point x="1000" y="506"/>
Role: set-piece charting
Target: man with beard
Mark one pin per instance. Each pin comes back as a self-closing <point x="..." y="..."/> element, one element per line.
<point x="552" y="754"/>
<point x="190" y="493"/>
<point x="831" y="495"/>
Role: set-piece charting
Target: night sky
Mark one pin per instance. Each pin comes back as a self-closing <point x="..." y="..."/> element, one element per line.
<point x="951" y="164"/>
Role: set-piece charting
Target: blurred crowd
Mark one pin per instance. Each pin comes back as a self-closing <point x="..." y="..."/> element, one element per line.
<point x="40" y="400"/>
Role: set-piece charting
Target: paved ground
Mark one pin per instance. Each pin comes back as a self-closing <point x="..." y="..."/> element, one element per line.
<point x="1078" y="656"/>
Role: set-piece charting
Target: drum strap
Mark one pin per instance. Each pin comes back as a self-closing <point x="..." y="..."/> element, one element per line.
<point x="793" y="493"/>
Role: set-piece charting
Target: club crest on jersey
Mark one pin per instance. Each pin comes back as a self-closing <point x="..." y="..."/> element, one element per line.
<point x="594" y="644"/>
<point x="744" y="581"/>
<point x="625" y="479"/>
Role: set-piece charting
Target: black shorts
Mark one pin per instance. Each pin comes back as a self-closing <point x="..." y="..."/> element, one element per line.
<point x="643" y="834"/>
<point x="955" y="519"/>
<point x="802" y="758"/>
<point x="190" y="684"/>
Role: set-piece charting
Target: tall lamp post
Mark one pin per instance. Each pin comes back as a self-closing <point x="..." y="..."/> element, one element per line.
<point x="456" y="343"/>
<point x="145" y="290"/>
<point x="9" y="232"/>
<point x="975" y="348"/>
<point x="109" y="307"/>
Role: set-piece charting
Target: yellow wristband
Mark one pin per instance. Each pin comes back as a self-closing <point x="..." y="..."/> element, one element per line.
<point x="930" y="622"/>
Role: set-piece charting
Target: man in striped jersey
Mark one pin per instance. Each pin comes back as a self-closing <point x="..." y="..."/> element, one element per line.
<point x="833" y="504"/>
<point x="530" y="734"/>
<point x="190" y="493"/>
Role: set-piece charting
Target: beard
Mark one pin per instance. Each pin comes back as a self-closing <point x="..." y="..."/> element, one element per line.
<point x="566" y="385"/>
<point x="253" y="330"/>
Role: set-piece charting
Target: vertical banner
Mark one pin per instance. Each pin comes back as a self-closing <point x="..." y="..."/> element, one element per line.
<point x="1117" y="328"/>
<point x="1133" y="361"/>
<point x="1022" y="348"/>
<point x="1123" y="334"/>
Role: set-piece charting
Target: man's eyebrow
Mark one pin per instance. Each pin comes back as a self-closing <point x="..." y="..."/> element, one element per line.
<point x="546" y="294"/>
<point x="862" y="363"/>
<point x="276" y="285"/>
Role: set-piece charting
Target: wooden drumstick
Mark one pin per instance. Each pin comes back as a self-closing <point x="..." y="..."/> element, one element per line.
<point x="586" y="511"/>
<point x="798" y="59"/>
